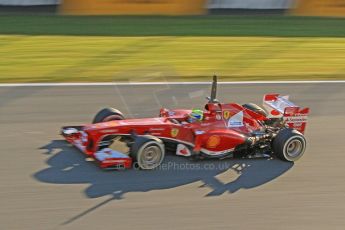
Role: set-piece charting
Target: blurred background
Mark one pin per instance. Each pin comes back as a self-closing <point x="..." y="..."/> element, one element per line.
<point x="117" y="40"/>
<point x="46" y="184"/>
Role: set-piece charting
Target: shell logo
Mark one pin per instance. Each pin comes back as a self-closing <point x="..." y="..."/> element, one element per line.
<point x="213" y="141"/>
<point x="174" y="132"/>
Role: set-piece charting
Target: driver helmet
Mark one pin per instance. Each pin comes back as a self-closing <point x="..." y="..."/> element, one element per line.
<point x="196" y="115"/>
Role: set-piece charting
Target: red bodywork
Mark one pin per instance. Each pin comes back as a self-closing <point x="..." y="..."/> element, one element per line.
<point x="224" y="128"/>
<point x="218" y="134"/>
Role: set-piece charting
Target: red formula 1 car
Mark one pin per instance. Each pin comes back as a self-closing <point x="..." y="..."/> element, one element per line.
<point x="221" y="130"/>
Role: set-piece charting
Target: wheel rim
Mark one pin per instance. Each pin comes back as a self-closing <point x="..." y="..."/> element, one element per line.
<point x="150" y="157"/>
<point x="294" y="148"/>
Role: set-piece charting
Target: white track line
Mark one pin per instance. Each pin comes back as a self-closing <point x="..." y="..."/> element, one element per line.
<point x="163" y="83"/>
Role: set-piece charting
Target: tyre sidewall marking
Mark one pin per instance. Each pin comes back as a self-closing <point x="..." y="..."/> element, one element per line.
<point x="114" y="117"/>
<point x="146" y="145"/>
<point x="300" y="138"/>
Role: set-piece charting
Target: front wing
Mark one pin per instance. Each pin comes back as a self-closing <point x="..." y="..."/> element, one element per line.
<point x="105" y="158"/>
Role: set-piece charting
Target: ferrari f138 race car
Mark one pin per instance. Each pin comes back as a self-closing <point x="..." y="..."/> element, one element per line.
<point x="221" y="130"/>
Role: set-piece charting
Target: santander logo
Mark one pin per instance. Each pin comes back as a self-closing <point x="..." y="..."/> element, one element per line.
<point x="275" y="112"/>
<point x="183" y="150"/>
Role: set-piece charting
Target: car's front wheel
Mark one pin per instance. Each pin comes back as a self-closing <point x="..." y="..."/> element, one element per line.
<point x="289" y="145"/>
<point x="147" y="152"/>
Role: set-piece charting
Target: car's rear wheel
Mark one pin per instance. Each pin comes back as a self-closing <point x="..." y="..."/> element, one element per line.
<point x="147" y="152"/>
<point x="289" y="145"/>
<point x="255" y="108"/>
<point x="108" y="114"/>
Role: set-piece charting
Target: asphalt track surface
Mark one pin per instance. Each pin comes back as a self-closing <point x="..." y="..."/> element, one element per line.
<point x="46" y="184"/>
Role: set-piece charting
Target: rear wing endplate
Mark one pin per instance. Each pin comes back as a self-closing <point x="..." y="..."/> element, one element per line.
<point x="293" y="115"/>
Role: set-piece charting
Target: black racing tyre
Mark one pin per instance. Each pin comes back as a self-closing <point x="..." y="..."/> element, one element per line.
<point x="147" y="152"/>
<point x="289" y="145"/>
<point x="108" y="114"/>
<point x="255" y="108"/>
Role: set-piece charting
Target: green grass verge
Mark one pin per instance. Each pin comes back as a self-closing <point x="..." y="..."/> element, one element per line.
<point x="156" y="48"/>
<point x="89" y="59"/>
<point x="282" y="26"/>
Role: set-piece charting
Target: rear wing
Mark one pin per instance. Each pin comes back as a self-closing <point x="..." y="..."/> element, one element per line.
<point x="279" y="106"/>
